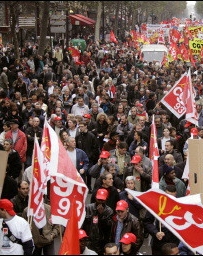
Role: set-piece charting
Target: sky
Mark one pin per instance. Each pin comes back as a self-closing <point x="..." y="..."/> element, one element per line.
<point x="191" y="2"/>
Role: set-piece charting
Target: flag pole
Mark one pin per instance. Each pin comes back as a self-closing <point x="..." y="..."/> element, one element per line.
<point x="60" y="233"/>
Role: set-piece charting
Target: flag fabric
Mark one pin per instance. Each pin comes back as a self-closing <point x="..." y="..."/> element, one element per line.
<point x="70" y="244"/>
<point x="189" y="98"/>
<point x="182" y="216"/>
<point x="75" y="53"/>
<point x="154" y="155"/>
<point x="37" y="188"/>
<point x="66" y="183"/>
<point x="113" y="38"/>
<point x="173" y="100"/>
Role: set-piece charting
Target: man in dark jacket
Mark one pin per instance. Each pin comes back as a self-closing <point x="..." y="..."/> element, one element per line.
<point x="20" y="201"/>
<point x="125" y="222"/>
<point x="98" y="221"/>
<point x="88" y="142"/>
<point x="14" y="165"/>
<point x="107" y="183"/>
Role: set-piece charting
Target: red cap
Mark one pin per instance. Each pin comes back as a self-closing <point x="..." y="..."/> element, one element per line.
<point x="82" y="234"/>
<point x="128" y="238"/>
<point x="194" y="131"/>
<point x="187" y="124"/>
<point x="104" y="154"/>
<point x="8" y="206"/>
<point x="102" y="194"/>
<point x="139" y="105"/>
<point x="87" y="116"/>
<point x="121" y="205"/>
<point x="136" y="159"/>
<point x="57" y="118"/>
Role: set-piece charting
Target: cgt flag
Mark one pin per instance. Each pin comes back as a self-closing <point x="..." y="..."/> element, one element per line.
<point x="37" y="188"/>
<point x="66" y="183"/>
<point x="154" y="155"/>
<point x="182" y="216"/>
<point x="174" y="100"/>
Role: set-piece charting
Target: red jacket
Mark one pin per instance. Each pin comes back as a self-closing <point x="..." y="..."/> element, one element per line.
<point x="20" y="144"/>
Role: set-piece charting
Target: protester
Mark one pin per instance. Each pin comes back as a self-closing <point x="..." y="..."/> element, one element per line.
<point x="20" y="201"/>
<point x="125" y="222"/>
<point x="44" y="237"/>
<point x="98" y="221"/>
<point x="16" y="236"/>
<point x="128" y="244"/>
<point x="83" y="239"/>
<point x="111" y="249"/>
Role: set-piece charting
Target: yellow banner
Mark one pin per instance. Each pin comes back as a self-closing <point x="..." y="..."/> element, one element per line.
<point x="196" y="45"/>
<point x="195" y="30"/>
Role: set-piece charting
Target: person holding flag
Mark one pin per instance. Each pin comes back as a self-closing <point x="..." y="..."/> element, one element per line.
<point x="160" y="234"/>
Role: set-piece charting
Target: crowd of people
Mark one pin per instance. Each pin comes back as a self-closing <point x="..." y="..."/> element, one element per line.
<point x="101" y="109"/>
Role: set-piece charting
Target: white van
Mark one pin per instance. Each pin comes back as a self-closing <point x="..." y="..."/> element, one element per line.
<point x="152" y="52"/>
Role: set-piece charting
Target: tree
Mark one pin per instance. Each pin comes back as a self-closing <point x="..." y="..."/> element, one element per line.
<point x="14" y="11"/>
<point x="98" y="21"/>
<point x="44" y="26"/>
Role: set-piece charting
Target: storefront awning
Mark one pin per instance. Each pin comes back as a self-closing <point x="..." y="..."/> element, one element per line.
<point x="78" y="19"/>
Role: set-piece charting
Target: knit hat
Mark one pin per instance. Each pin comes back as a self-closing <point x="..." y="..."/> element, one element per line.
<point x="167" y="169"/>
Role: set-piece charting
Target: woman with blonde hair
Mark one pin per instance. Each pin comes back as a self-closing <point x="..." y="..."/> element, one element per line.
<point x="101" y="127"/>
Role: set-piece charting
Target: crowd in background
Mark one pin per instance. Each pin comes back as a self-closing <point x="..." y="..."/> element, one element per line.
<point x="101" y="109"/>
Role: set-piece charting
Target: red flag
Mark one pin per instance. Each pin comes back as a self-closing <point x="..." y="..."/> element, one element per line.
<point x="182" y="216"/>
<point x="66" y="183"/>
<point x="154" y="155"/>
<point x="189" y="99"/>
<point x="173" y="100"/>
<point x="37" y="188"/>
<point x="70" y="244"/>
<point x="75" y="53"/>
<point x="113" y="38"/>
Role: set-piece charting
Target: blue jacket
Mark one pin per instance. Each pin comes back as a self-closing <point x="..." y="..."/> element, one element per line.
<point x="82" y="160"/>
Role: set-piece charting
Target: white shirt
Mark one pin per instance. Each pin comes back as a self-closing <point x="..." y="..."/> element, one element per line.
<point x="72" y="132"/>
<point x="87" y="251"/>
<point x="17" y="226"/>
<point x="72" y="155"/>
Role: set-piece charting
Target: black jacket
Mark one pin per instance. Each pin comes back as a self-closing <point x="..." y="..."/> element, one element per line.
<point x="152" y="229"/>
<point x="113" y="197"/>
<point x="98" y="226"/>
<point x="88" y="142"/>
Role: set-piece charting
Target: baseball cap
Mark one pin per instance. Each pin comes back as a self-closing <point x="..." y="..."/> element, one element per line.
<point x="104" y="154"/>
<point x="102" y="194"/>
<point x="57" y="118"/>
<point x="128" y="238"/>
<point x="136" y="159"/>
<point x="7" y="205"/>
<point x="82" y="234"/>
<point x="121" y="205"/>
<point x="194" y="131"/>
<point x="14" y="121"/>
<point x="187" y="124"/>
<point x="139" y="105"/>
<point x="87" y="116"/>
